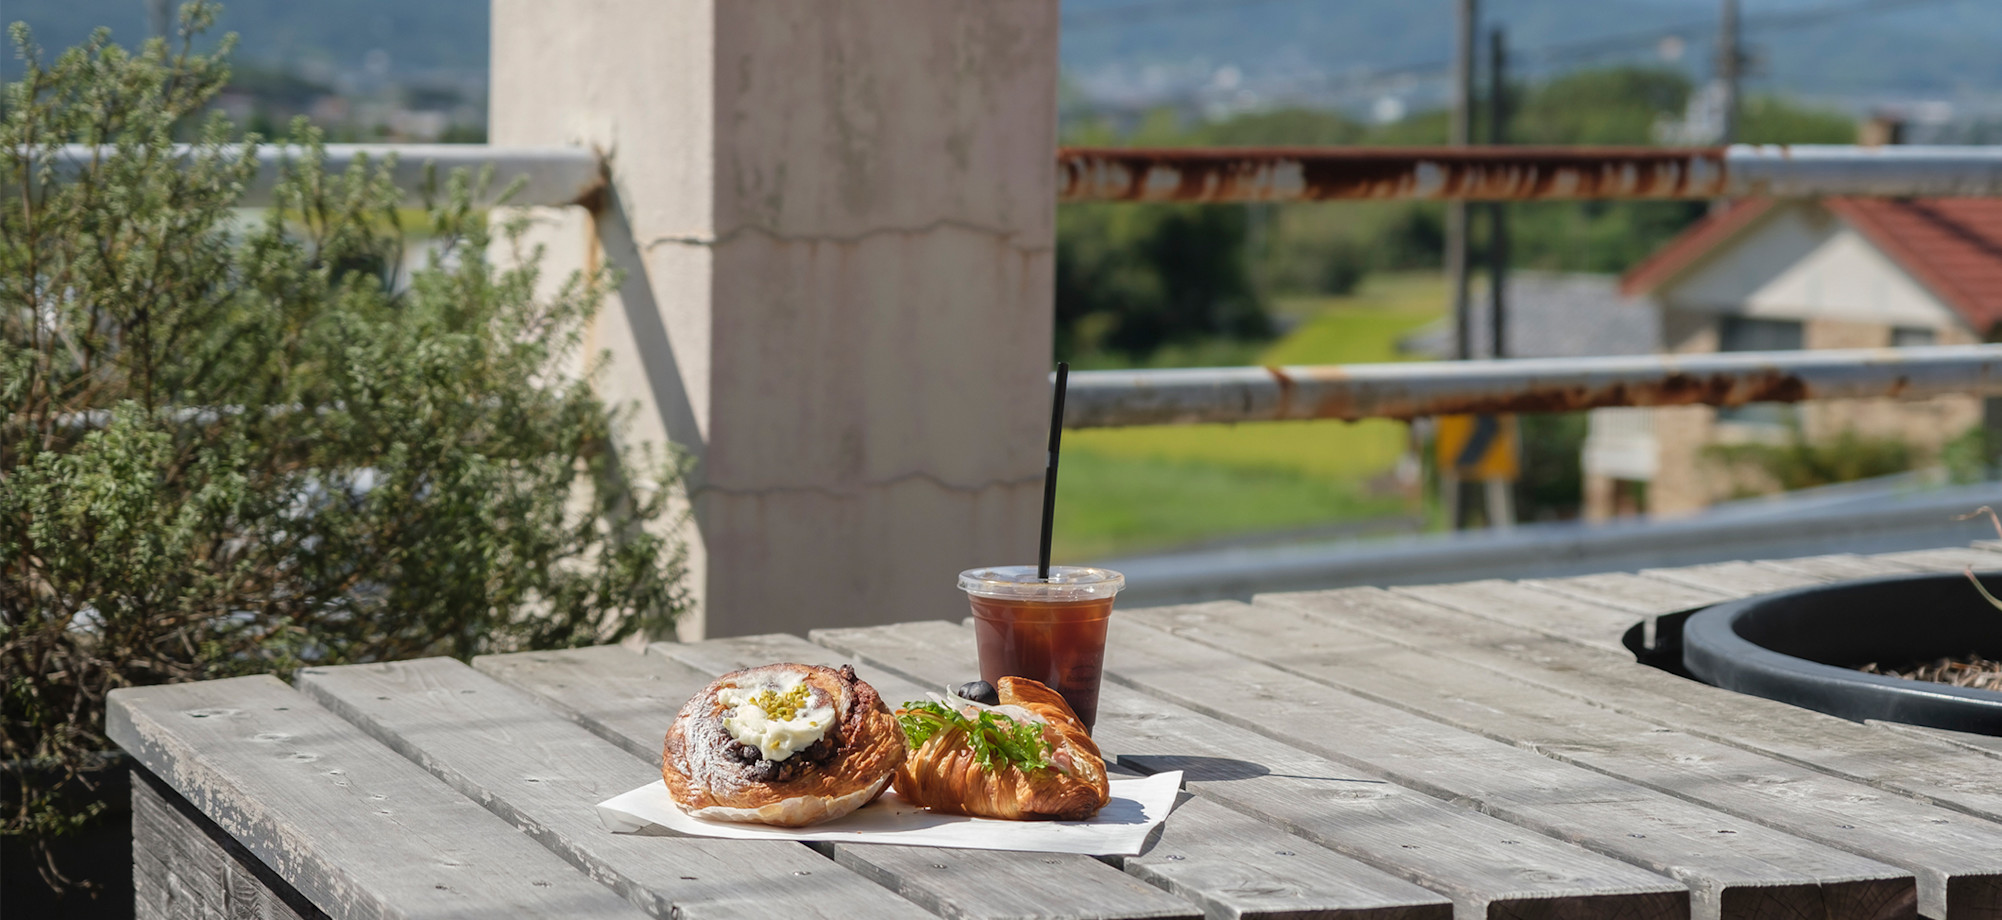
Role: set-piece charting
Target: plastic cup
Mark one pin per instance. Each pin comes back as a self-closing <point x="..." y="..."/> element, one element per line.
<point x="1052" y="632"/>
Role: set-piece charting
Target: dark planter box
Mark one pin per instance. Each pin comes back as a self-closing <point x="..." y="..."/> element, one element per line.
<point x="1802" y="646"/>
<point x="100" y="854"/>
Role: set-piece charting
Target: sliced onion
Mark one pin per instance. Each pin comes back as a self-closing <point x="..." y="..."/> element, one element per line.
<point x="959" y="703"/>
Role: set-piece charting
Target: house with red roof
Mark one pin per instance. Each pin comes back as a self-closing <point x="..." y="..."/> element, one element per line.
<point x="1767" y="275"/>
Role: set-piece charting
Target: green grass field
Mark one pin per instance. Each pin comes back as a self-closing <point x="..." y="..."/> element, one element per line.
<point x="1128" y="490"/>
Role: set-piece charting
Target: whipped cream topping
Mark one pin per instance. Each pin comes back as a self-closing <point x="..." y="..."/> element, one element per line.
<point x="779" y="718"/>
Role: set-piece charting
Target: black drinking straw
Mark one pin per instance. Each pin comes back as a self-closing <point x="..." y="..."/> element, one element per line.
<point x="1050" y="474"/>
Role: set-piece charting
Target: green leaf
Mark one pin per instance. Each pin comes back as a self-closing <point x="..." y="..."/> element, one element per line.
<point x="232" y="447"/>
<point x="995" y="739"/>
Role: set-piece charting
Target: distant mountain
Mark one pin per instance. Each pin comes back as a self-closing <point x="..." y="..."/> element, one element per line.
<point x="1326" y="52"/>
<point x="1337" y="51"/>
<point x="323" y="38"/>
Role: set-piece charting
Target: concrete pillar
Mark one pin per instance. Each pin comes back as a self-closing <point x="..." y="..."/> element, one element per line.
<point x="1601" y="498"/>
<point x="835" y="220"/>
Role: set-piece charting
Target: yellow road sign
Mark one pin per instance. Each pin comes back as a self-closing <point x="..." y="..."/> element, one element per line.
<point x="1476" y="447"/>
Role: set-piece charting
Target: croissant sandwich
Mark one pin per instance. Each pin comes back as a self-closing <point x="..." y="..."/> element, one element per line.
<point x="1026" y="759"/>
<point x="784" y="744"/>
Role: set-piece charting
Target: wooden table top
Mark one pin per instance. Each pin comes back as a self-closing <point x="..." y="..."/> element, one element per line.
<point x="1479" y="750"/>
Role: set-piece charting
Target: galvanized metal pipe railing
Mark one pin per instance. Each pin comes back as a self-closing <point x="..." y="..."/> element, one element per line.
<point x="1522" y="173"/>
<point x="1109" y="399"/>
<point x="551" y="176"/>
<point x="557" y="176"/>
<point x="572" y="175"/>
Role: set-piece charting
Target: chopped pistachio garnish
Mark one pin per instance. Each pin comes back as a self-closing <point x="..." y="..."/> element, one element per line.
<point x="777" y="720"/>
<point x="783" y="707"/>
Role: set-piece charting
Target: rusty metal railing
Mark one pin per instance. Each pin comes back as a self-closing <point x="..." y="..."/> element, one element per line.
<point x="1110" y="399"/>
<point x="1521" y="173"/>
<point x="574" y="175"/>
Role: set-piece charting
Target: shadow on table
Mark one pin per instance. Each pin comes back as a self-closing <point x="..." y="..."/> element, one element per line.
<point x="1220" y="769"/>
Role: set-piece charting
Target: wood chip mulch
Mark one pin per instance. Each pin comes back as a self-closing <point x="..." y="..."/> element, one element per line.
<point x="1965" y="671"/>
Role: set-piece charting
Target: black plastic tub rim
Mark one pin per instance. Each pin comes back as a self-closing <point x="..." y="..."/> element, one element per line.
<point x="1802" y="646"/>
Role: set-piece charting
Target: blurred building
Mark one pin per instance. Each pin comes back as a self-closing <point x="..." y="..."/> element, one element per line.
<point x="1551" y="315"/>
<point x="1777" y="275"/>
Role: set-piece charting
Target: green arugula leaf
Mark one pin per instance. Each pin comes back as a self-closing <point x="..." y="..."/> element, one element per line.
<point x="996" y="740"/>
<point x="923" y="720"/>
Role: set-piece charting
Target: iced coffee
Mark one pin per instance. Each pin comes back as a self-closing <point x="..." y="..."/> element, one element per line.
<point x="1051" y="631"/>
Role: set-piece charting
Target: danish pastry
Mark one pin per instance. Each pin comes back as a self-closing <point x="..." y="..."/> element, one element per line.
<point x="1028" y="758"/>
<point x="783" y="744"/>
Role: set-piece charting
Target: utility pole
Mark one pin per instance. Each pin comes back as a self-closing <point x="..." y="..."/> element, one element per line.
<point x="159" y="18"/>
<point x="1461" y="126"/>
<point x="1500" y="492"/>
<point x="1497" y="211"/>
<point x="1730" y="58"/>
<point x="1462" y="131"/>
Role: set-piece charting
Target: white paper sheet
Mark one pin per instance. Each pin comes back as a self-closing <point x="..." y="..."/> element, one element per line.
<point x="1119" y="829"/>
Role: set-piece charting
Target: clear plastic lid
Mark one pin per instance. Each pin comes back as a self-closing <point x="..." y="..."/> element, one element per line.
<point x="1066" y="582"/>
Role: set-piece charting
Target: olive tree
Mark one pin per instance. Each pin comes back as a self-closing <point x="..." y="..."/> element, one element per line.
<point x="238" y="442"/>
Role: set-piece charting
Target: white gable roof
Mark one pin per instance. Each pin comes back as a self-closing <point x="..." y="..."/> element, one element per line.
<point x="1799" y="261"/>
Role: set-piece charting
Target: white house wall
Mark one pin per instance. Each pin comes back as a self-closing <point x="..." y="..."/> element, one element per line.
<point x="1802" y="262"/>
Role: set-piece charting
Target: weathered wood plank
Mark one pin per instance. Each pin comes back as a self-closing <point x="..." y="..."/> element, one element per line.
<point x="615" y="693"/>
<point x="1951" y="559"/>
<point x="159" y="890"/>
<point x="949" y="882"/>
<point x="1990" y="745"/>
<point x="188" y="866"/>
<point x="149" y="888"/>
<point x="1838" y="566"/>
<point x="165" y="873"/>
<point x="1239" y="867"/>
<point x="1489" y="867"/>
<point x="1723" y="859"/>
<point x="1633" y="593"/>
<point x="1957" y="778"/>
<point x="358" y="830"/>
<point x="1737" y="579"/>
<point x="543" y="774"/>
<point x="997" y="883"/>
<point x="1758" y="578"/>
<point x="149" y="894"/>
<point x="1745" y="579"/>
<point x="1546" y="612"/>
<point x="178" y="902"/>
<point x="1956" y="858"/>
<point x="166" y="877"/>
<point x="1232" y="864"/>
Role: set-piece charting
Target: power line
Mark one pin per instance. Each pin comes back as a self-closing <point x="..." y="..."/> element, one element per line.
<point x="1766" y="22"/>
<point x="1154" y="9"/>
<point x="1592" y="47"/>
<point x="1579" y="49"/>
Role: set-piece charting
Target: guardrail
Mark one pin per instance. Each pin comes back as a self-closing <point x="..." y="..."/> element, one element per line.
<point x="557" y="176"/>
<point x="1521" y="173"/>
<point x="1888" y="519"/>
<point x="1108" y="399"/>
<point x="551" y="176"/>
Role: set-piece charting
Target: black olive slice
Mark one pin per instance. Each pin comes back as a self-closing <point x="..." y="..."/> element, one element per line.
<point x="980" y="691"/>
